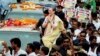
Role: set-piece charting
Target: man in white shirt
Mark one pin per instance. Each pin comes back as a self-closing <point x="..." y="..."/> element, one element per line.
<point x="16" y="44"/>
<point x="95" y="21"/>
<point x="30" y="50"/>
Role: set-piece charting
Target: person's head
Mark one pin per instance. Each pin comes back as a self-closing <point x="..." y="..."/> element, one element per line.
<point x="15" y="43"/>
<point x="75" y="24"/>
<point x="91" y="26"/>
<point x="88" y="7"/>
<point x="59" y="41"/>
<point x="59" y="8"/>
<point x="83" y="25"/>
<point x="30" y="48"/>
<point x="81" y="4"/>
<point x="94" y="15"/>
<point x="95" y="33"/>
<point x="82" y="35"/>
<point x="45" y="12"/>
<point x="36" y="46"/>
<point x="93" y="39"/>
<point x="44" y="51"/>
<point x="73" y="19"/>
<point x="66" y="42"/>
<point x="98" y="6"/>
<point x="51" y="11"/>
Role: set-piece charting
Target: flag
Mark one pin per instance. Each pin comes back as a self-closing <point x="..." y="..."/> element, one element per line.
<point x="93" y="5"/>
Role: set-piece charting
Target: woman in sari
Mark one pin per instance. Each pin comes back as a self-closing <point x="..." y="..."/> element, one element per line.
<point x="54" y="27"/>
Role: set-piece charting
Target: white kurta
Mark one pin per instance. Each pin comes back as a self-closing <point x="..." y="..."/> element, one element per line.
<point x="91" y="53"/>
<point x="19" y="52"/>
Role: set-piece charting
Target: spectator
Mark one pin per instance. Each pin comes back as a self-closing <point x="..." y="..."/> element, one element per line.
<point x="90" y="27"/>
<point x="30" y="50"/>
<point x="66" y="48"/>
<point x="81" y="40"/>
<point x="95" y="20"/>
<point x="95" y="33"/>
<point x="44" y="51"/>
<point x="37" y="46"/>
<point x="93" y="46"/>
<point x="75" y="29"/>
<point x="59" y="41"/>
<point x="16" y="45"/>
<point x="61" y="15"/>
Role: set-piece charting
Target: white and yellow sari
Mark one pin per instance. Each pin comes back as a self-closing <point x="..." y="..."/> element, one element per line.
<point x="53" y="31"/>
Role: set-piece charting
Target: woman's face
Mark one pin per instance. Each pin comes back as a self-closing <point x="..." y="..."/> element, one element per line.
<point x="51" y="11"/>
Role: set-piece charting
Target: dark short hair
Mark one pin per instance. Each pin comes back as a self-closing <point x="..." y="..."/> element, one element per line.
<point x="73" y="19"/>
<point x="89" y="25"/>
<point x="36" y="45"/>
<point x="83" y="25"/>
<point x="92" y="37"/>
<point x="97" y="3"/>
<point x="79" y="24"/>
<point x="84" y="31"/>
<point x="31" y="46"/>
<point x="16" y="41"/>
<point x="88" y="6"/>
<point x="59" y="6"/>
<point x="65" y="39"/>
<point x="59" y="41"/>
<point x="46" y="11"/>
<point x="45" y="50"/>
<point x="94" y="14"/>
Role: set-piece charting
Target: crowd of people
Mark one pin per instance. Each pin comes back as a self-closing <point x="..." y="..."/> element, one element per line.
<point x="72" y="28"/>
